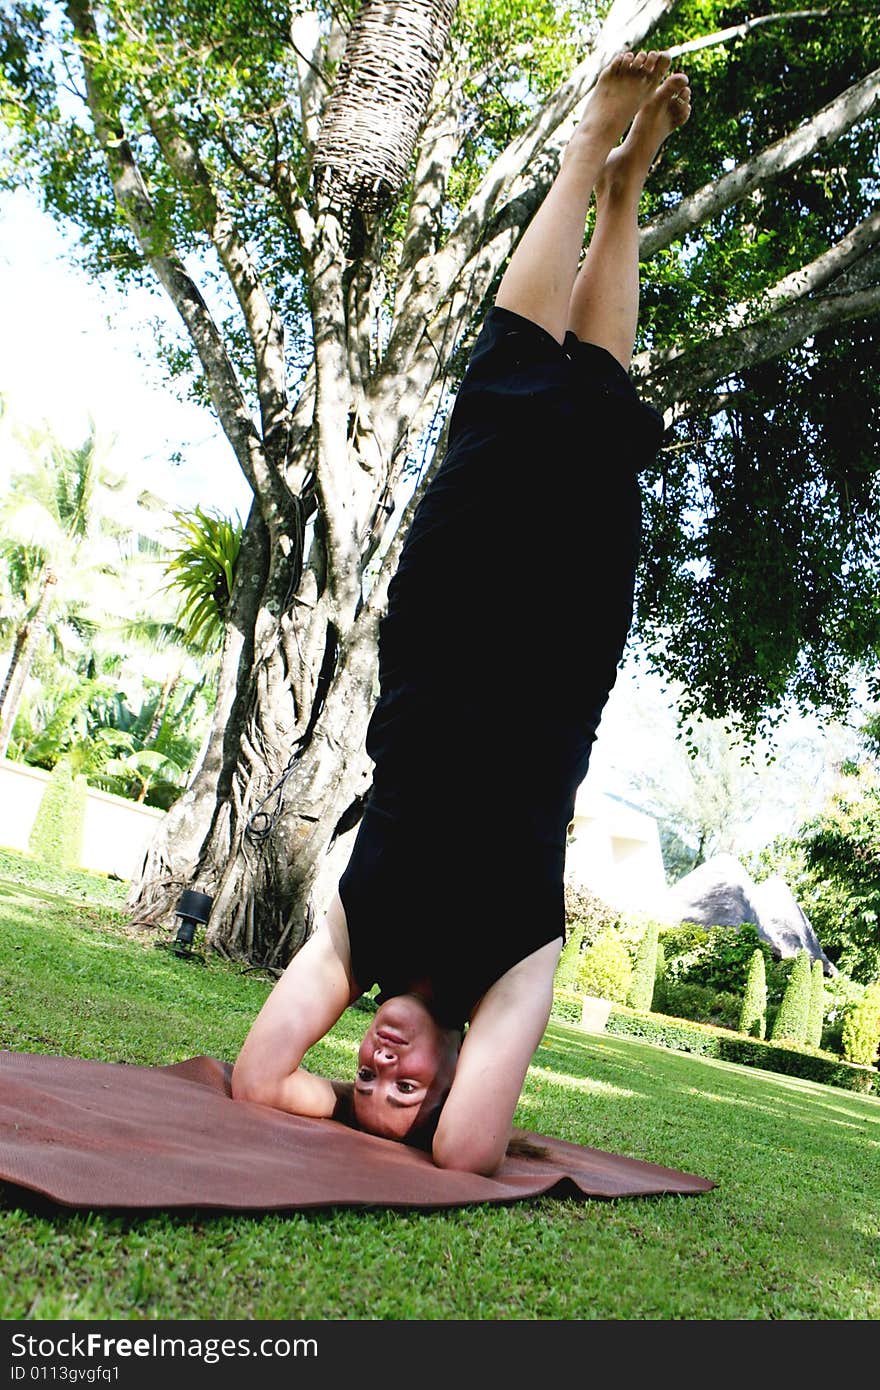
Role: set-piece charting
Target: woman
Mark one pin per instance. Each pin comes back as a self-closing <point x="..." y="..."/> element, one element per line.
<point x="495" y="662"/>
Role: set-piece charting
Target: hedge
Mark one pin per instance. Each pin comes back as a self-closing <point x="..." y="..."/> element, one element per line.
<point x="726" y="1046"/>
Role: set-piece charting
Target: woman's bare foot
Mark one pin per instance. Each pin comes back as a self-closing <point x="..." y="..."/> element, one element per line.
<point x="665" y="110"/>
<point x="622" y="89"/>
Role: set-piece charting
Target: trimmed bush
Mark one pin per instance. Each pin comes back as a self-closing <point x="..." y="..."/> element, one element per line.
<point x="659" y="1000"/>
<point x="641" y="990"/>
<point x="567" y="1006"/>
<point x="861" y="1028"/>
<point x="706" y="1041"/>
<point x="605" y="968"/>
<point x="753" y="1014"/>
<point x="817" y="1005"/>
<point x="794" y="1012"/>
<point x="57" y="833"/>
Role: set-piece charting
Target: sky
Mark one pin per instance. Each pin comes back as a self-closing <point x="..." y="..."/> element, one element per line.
<point x="71" y="350"/>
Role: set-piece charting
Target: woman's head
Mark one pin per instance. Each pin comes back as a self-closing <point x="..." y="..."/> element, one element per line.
<point x="406" y="1064"/>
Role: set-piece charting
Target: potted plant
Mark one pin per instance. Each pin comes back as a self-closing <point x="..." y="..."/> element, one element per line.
<point x="604" y="978"/>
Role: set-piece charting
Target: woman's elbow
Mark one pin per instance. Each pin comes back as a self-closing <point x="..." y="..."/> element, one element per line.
<point x="249" y="1085"/>
<point x="468" y="1156"/>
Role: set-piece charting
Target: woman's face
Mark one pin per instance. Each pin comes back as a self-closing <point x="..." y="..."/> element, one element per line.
<point x="405" y="1064"/>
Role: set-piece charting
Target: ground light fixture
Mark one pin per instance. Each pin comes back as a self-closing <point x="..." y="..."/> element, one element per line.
<point x="193" y="910"/>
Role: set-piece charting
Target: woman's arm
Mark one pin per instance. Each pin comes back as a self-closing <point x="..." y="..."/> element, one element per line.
<point x="310" y="996"/>
<point x="509" y="1022"/>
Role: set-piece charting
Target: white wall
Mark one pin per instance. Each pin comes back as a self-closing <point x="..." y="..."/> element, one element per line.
<point x="116" y="833"/>
<point x="614" y="850"/>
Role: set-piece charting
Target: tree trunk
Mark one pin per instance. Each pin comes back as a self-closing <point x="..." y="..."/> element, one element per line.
<point x="284" y="770"/>
<point x="21" y="662"/>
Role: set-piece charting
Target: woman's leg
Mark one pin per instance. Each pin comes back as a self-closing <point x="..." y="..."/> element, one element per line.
<point x="604" y="303"/>
<point x="540" y="277"/>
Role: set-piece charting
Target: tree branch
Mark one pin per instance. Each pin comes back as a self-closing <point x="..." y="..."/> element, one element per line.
<point x="823" y="128"/>
<point x="721" y="357"/>
<point x="265" y="330"/>
<point x="332" y="403"/>
<point x="136" y="205"/>
<point x="431" y="278"/>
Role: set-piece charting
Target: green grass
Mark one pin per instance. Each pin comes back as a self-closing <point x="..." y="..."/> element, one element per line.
<point x="790" y="1232"/>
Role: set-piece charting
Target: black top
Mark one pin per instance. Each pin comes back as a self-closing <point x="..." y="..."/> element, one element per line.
<point x="506" y="621"/>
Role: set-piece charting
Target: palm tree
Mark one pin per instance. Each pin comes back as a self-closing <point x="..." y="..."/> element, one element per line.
<point x="202" y="570"/>
<point x="58" y="545"/>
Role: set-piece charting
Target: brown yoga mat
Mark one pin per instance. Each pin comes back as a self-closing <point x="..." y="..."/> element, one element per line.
<point x="109" y="1135"/>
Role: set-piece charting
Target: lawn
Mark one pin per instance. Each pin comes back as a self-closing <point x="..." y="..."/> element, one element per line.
<point x="790" y="1232"/>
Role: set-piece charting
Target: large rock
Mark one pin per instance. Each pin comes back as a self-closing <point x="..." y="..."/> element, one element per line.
<point x="721" y="893"/>
<point x="783" y="923"/>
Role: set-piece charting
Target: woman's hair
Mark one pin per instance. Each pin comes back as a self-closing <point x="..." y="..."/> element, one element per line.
<point x="421" y="1134"/>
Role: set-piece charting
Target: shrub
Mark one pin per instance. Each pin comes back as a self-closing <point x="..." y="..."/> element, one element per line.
<point x="586" y="917"/>
<point x="778" y="974"/>
<point x="861" y="1028"/>
<point x="816" y="1015"/>
<point x="605" y="968"/>
<point x="794" y="1012"/>
<point x="707" y="1041"/>
<point x="567" y="1006"/>
<point x="569" y="962"/>
<point x="57" y="832"/>
<point x="659" y="1000"/>
<point x="753" y="1014"/>
<point x="716" y="957"/>
<point x="702" y="1005"/>
<point x="641" y="989"/>
<point x="841" y="993"/>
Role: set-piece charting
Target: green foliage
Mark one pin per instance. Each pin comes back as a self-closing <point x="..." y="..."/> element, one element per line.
<point x="816" y="1017"/>
<point x="861" y="1028"/>
<point x="587" y="916"/>
<point x="792" y="1021"/>
<point x="798" y="434"/>
<point x="703" y="1004"/>
<point x="716" y="957"/>
<point x="707" y="1041"/>
<point x="57" y="832"/>
<point x="641" y="990"/>
<point x="833" y="869"/>
<point x="202" y="569"/>
<point x="790" y="447"/>
<point x="660" y="981"/>
<point x="144" y="753"/>
<point x="605" y="969"/>
<point x="753" y="1014"/>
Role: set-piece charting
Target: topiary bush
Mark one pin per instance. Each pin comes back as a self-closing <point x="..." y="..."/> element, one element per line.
<point x="659" y="1000"/>
<point x="753" y="1013"/>
<point x="816" y="1016"/>
<point x="57" y="833"/>
<point x="641" y="990"/>
<point x="707" y="1041"/>
<point x="605" y="968"/>
<point x="793" y="1018"/>
<point x="861" y="1028"/>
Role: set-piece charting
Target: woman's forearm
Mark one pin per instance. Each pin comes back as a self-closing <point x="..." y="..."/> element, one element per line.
<point x="300" y="1093"/>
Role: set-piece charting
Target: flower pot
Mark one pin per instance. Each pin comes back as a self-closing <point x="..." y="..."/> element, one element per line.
<point x="594" y="1013"/>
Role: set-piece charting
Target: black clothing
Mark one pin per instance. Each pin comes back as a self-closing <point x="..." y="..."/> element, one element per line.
<point x="506" y="620"/>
